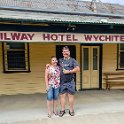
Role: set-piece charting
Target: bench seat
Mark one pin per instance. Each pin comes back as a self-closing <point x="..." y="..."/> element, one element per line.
<point x="114" y="78"/>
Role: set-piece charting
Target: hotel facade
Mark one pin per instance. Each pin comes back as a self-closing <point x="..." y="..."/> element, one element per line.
<point x="31" y="32"/>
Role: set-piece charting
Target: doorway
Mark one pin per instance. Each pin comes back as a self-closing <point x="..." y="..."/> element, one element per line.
<point x="91" y="67"/>
<point x="72" y="49"/>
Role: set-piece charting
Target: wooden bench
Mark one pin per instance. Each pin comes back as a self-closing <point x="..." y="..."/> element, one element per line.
<point x="113" y="78"/>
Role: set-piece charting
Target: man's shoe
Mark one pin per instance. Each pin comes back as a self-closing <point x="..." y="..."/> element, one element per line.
<point x="72" y="113"/>
<point x="61" y="113"/>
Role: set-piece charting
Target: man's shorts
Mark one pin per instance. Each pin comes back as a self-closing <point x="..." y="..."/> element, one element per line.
<point x="68" y="87"/>
<point x="52" y="93"/>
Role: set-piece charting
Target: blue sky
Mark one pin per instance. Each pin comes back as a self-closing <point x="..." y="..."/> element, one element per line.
<point x="121" y="2"/>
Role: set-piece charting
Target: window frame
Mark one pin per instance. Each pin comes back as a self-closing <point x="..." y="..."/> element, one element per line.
<point x="118" y="58"/>
<point x="5" y="63"/>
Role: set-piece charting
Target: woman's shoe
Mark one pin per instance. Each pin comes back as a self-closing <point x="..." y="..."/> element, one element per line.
<point x="61" y="113"/>
<point x="49" y="115"/>
<point x="55" y="113"/>
<point x="72" y="113"/>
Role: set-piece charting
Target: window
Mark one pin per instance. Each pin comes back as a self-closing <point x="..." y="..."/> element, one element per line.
<point x="120" y="56"/>
<point x="16" y="57"/>
<point x="95" y="59"/>
<point x="86" y="59"/>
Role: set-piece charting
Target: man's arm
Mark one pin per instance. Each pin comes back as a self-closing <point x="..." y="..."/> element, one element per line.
<point x="74" y="70"/>
<point x="47" y="66"/>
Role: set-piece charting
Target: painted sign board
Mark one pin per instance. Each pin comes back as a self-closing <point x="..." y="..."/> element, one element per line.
<point x="11" y="36"/>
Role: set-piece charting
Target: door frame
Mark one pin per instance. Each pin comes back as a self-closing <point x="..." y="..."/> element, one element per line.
<point x="100" y="64"/>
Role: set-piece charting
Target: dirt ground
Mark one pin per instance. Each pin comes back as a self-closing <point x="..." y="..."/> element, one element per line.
<point x="106" y="118"/>
<point x="91" y="107"/>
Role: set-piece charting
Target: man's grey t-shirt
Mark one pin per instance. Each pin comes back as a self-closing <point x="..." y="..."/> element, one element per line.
<point x="67" y="64"/>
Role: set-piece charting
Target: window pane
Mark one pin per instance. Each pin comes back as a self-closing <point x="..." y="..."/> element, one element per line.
<point x="15" y="45"/>
<point x="121" y="46"/>
<point x="121" y="59"/>
<point x="16" y="60"/>
<point x="95" y="62"/>
<point x="86" y="59"/>
<point x="16" y="57"/>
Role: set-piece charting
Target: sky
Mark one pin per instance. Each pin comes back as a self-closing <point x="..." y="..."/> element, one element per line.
<point x="121" y="2"/>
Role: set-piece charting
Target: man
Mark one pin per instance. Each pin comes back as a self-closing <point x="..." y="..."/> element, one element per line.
<point x="68" y="67"/>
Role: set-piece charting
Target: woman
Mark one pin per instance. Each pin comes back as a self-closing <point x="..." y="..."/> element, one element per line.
<point x="52" y="80"/>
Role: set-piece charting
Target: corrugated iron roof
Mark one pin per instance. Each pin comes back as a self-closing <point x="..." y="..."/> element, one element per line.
<point x="48" y="17"/>
<point x="66" y="11"/>
<point x="62" y="5"/>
